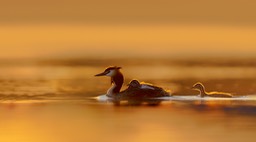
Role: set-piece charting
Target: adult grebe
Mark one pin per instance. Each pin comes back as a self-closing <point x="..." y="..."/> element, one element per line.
<point x="200" y="87"/>
<point x="135" y="90"/>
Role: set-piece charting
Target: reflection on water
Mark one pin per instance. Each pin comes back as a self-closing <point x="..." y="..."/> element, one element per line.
<point x="53" y="103"/>
<point x="86" y="121"/>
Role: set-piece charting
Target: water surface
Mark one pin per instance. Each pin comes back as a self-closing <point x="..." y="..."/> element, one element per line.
<point x="53" y="102"/>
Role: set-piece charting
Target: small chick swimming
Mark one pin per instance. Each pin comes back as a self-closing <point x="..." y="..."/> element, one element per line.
<point x="200" y="87"/>
<point x="135" y="89"/>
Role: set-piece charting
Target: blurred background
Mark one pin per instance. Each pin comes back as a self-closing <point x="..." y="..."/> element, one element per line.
<point x="112" y="29"/>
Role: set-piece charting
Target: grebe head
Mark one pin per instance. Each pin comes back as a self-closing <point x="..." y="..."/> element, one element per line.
<point x="198" y="86"/>
<point x="134" y="83"/>
<point x="110" y="71"/>
<point x="117" y="79"/>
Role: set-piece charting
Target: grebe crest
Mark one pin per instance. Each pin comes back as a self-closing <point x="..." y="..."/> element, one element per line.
<point x="110" y="71"/>
<point x="200" y="87"/>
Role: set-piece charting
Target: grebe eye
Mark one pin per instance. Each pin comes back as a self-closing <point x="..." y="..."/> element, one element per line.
<point x="108" y="71"/>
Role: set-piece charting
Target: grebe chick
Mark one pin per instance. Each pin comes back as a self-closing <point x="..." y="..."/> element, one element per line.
<point x="200" y="87"/>
<point x="142" y="85"/>
<point x="135" y="89"/>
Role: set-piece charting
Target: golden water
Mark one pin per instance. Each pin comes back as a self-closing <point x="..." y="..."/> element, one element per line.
<point x="49" y="103"/>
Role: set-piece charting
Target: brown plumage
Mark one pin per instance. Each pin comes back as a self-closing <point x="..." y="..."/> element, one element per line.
<point x="135" y="90"/>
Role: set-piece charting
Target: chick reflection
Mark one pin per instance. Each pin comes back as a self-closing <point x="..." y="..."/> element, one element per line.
<point x="136" y="93"/>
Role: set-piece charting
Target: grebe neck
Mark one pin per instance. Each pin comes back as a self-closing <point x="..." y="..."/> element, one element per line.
<point x="117" y="82"/>
<point x="202" y="91"/>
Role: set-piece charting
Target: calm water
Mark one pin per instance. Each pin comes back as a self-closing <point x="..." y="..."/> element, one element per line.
<point x="52" y="102"/>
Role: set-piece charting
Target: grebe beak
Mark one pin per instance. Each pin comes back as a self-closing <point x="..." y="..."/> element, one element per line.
<point x="101" y="74"/>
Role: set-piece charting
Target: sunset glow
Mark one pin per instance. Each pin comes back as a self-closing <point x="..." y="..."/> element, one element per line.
<point x="77" y="29"/>
<point x="57" y="41"/>
<point x="116" y="70"/>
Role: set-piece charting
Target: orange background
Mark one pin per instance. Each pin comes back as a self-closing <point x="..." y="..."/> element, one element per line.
<point x="74" y="29"/>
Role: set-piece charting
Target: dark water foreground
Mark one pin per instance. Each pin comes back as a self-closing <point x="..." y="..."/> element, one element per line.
<point x="87" y="120"/>
<point x="56" y="103"/>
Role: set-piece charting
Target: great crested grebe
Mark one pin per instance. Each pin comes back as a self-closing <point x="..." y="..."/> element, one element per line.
<point x="135" y="89"/>
<point x="200" y="87"/>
